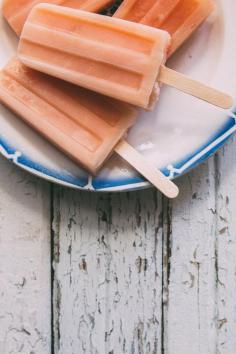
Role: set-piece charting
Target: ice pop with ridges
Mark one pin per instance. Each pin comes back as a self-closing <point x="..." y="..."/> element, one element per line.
<point x="86" y="126"/>
<point x="17" y="11"/>
<point x="120" y="59"/>
<point x="179" y="17"/>
<point x="111" y="56"/>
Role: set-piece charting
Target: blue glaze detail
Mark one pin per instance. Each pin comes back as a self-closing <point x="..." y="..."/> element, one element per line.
<point x="7" y="147"/>
<point x="226" y="127"/>
<point x="99" y="183"/>
<point x="26" y="162"/>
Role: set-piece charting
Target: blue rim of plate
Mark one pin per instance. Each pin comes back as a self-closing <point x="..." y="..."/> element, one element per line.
<point x="131" y="183"/>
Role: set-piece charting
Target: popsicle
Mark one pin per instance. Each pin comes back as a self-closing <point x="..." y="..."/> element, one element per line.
<point x="179" y="17"/>
<point x="120" y="59"/>
<point x="17" y="11"/>
<point x="85" y="125"/>
<point x="107" y="55"/>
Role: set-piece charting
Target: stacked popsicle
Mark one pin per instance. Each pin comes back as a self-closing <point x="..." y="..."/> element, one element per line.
<point x="85" y="125"/>
<point x="180" y="18"/>
<point x="113" y="57"/>
<point x="16" y="12"/>
<point x="120" y="59"/>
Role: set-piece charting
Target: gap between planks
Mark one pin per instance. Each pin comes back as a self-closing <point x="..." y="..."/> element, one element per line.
<point x="192" y="275"/>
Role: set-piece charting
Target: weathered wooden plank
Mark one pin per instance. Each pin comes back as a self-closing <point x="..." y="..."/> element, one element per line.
<point x="108" y="272"/>
<point x="190" y="325"/>
<point x="24" y="262"/>
<point x="226" y="249"/>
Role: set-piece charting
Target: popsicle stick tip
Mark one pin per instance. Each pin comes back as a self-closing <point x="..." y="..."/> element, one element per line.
<point x="195" y="88"/>
<point x="228" y="102"/>
<point x="173" y="191"/>
<point x="147" y="170"/>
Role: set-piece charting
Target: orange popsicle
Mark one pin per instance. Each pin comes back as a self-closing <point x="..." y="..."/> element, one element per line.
<point x="179" y="17"/>
<point x="17" y="11"/>
<point x="84" y="125"/>
<point x="117" y="58"/>
<point x="120" y="59"/>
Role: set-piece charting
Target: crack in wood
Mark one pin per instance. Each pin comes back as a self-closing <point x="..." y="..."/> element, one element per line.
<point x="109" y="290"/>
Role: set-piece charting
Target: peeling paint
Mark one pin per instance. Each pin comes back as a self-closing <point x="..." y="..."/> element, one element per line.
<point x="25" y="306"/>
<point x="119" y="249"/>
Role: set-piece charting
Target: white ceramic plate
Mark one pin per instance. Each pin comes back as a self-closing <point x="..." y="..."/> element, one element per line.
<point x="179" y="134"/>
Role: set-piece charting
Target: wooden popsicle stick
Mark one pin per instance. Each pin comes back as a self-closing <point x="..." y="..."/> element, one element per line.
<point x="153" y="175"/>
<point x="194" y="88"/>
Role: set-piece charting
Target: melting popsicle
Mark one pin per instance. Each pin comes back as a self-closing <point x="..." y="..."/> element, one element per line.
<point x="178" y="17"/>
<point x="17" y="11"/>
<point x="86" y="126"/>
<point x="120" y="59"/>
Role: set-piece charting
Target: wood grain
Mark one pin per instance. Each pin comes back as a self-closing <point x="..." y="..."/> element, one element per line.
<point x="186" y="305"/>
<point x="191" y="306"/>
<point x="25" y="320"/>
<point x="108" y="272"/>
<point x="226" y="249"/>
<point x="133" y="272"/>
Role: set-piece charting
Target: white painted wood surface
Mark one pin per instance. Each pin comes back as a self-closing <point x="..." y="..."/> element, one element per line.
<point x="108" y="272"/>
<point x="25" y="320"/>
<point x="133" y="273"/>
<point x="226" y="250"/>
<point x="191" y="318"/>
